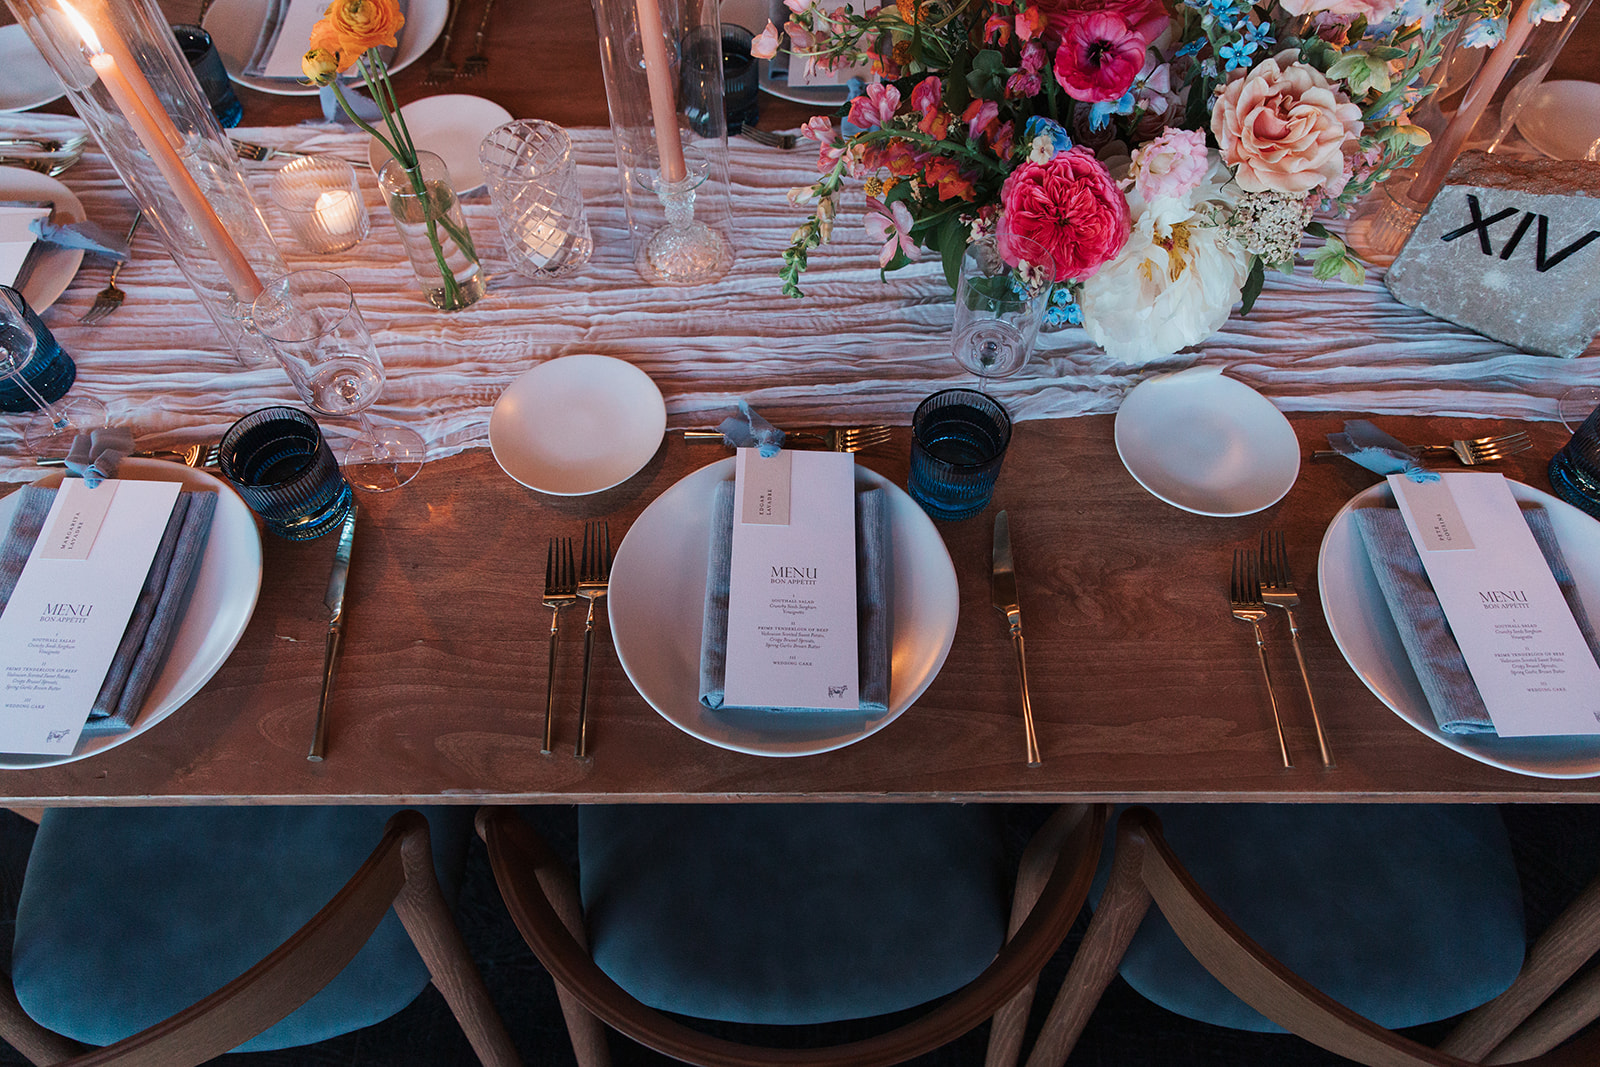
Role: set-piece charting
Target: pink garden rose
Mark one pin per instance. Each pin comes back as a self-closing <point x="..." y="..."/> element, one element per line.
<point x="1374" y="11"/>
<point x="1284" y="126"/>
<point x="1070" y="207"/>
<point x="1171" y="165"/>
<point x="1099" y="56"/>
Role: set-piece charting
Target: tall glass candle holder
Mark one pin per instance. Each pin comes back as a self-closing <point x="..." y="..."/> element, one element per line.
<point x="662" y="61"/>
<point x="131" y="85"/>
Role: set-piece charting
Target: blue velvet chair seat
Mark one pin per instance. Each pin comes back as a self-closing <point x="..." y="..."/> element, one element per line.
<point x="129" y="915"/>
<point x="779" y="913"/>
<point x="1404" y="913"/>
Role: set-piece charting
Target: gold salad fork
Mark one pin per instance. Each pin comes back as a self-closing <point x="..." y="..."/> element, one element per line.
<point x="443" y="69"/>
<point x="594" y="576"/>
<point x="1277" y="591"/>
<point x="476" y="63"/>
<point x="835" y="439"/>
<point x="1244" y="597"/>
<point x="560" y="591"/>
<point x="110" y="298"/>
<point x="199" y="456"/>
<point x="1470" y="452"/>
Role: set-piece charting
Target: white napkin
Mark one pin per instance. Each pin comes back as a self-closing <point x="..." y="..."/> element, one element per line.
<point x="16" y="238"/>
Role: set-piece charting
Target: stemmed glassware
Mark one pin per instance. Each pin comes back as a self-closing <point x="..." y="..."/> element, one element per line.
<point x="999" y="305"/>
<point x="24" y="340"/>
<point x="317" y="333"/>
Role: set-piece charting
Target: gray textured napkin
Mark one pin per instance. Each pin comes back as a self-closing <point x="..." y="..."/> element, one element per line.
<point x="156" y="613"/>
<point x="1428" y="642"/>
<point x="872" y="601"/>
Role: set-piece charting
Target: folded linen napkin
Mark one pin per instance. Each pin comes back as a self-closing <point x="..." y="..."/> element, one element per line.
<point x="1426" y="635"/>
<point x="872" y="601"/>
<point x="156" y="613"/>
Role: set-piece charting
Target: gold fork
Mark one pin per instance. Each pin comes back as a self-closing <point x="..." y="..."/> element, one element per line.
<point x="594" y="578"/>
<point x="1278" y="591"/>
<point x="1470" y="452"/>
<point x="1244" y="597"/>
<point x="477" y="62"/>
<point x="199" y="456"/>
<point x="560" y="591"/>
<point x="835" y="439"/>
<point x="443" y="69"/>
<point x="110" y="298"/>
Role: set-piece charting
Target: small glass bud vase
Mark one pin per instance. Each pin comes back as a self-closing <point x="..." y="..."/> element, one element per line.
<point x="427" y="213"/>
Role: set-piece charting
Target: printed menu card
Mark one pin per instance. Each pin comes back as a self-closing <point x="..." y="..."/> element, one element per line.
<point x="792" y="582"/>
<point x="1525" y="652"/>
<point x="66" y="617"/>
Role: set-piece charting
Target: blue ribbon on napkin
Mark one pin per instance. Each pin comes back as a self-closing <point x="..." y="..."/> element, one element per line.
<point x="362" y="104"/>
<point x="872" y="602"/>
<point x="749" y="430"/>
<point x="1429" y="644"/>
<point x="97" y="454"/>
<point x="1375" y="450"/>
<point x="85" y="235"/>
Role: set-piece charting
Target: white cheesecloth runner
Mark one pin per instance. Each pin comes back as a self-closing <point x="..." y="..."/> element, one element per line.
<point x="854" y="350"/>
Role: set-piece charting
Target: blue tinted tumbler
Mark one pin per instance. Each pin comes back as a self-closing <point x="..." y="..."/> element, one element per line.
<point x="48" y="369"/>
<point x="1575" y="470"/>
<point x="279" y="462"/>
<point x="958" y="440"/>
<point x="197" y="48"/>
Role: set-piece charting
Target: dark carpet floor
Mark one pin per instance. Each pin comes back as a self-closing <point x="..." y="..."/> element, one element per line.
<point x="1558" y="852"/>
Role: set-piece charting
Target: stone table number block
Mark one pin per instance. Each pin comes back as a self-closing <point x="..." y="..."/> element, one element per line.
<point x="1511" y="249"/>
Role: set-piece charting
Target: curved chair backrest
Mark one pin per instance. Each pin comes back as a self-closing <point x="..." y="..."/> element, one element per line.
<point x="399" y="873"/>
<point x="1145" y="870"/>
<point x="544" y="901"/>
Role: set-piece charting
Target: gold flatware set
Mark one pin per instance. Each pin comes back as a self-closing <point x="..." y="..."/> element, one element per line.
<point x="565" y="583"/>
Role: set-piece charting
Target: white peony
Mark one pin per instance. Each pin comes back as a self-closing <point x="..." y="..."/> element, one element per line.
<point x="1175" y="281"/>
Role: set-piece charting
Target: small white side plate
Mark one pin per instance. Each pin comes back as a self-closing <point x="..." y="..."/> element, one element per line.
<point x="451" y="127"/>
<point x="29" y="81"/>
<point x="55" y="267"/>
<point x="577" y="425"/>
<point x="1206" y="443"/>
<point x="1562" y="118"/>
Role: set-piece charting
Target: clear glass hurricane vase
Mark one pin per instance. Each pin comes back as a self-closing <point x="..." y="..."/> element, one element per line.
<point x="427" y="213"/>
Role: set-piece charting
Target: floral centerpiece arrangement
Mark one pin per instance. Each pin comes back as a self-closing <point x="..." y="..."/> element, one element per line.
<point x="1165" y="156"/>
<point x="350" y="35"/>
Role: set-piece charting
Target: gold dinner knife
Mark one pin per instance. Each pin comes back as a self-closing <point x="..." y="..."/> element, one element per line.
<point x="335" y="602"/>
<point x="1003" y="592"/>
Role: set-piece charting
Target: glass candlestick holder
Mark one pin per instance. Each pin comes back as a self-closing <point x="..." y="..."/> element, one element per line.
<point x="663" y="67"/>
<point x="127" y="79"/>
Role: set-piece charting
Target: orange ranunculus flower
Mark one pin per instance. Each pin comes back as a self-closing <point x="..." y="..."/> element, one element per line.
<point x="364" y="24"/>
<point x="320" y="65"/>
<point x="326" y="44"/>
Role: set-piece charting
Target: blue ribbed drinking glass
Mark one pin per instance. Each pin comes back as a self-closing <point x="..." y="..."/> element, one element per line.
<point x="280" y="463"/>
<point x="47" y="368"/>
<point x="958" y="440"/>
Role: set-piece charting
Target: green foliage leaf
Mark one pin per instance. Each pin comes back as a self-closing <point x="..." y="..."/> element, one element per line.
<point x="951" y="241"/>
<point x="956" y="94"/>
<point x="1252" y="286"/>
<point x="987" y="78"/>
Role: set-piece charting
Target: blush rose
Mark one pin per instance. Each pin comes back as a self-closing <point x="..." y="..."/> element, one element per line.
<point x="1283" y="126"/>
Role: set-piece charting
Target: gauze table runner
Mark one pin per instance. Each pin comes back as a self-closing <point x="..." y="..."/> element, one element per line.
<point x="856" y="349"/>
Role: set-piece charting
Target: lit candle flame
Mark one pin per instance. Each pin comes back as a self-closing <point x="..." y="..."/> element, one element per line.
<point x="91" y="40"/>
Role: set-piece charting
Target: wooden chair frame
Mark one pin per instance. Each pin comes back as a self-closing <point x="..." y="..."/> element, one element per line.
<point x="400" y="874"/>
<point x="1145" y="870"/>
<point x="543" y="899"/>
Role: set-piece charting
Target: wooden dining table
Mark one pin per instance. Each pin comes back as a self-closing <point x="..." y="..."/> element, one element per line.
<point x="1144" y="687"/>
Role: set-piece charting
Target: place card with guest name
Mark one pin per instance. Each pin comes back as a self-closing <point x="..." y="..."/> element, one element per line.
<point x="65" y="619"/>
<point x="792" y="582"/>
<point x="1523" y="648"/>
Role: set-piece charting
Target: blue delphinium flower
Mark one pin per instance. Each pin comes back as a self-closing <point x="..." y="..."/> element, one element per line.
<point x="1237" y="54"/>
<point x="1100" y="114"/>
<point x="1484" y="33"/>
<point x="1039" y="126"/>
<point x="1063" y="310"/>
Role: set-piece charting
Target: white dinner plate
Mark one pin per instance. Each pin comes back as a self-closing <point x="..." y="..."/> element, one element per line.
<point x="1561" y="118"/>
<point x="577" y="425"/>
<point x="220" y="604"/>
<point x="452" y="127"/>
<point x="54" y="268"/>
<point x="1363" y="628"/>
<point x="29" y="80"/>
<point x="657" y="600"/>
<point x="234" y="26"/>
<point x="1207" y="443"/>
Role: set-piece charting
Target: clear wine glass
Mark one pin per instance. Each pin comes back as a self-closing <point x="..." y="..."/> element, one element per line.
<point x="25" y="340"/>
<point x="1001" y="295"/>
<point x="1576" y="405"/>
<point x="317" y="333"/>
